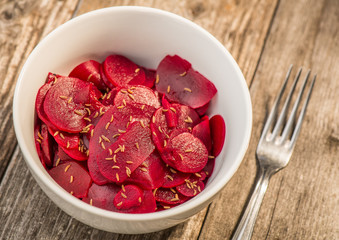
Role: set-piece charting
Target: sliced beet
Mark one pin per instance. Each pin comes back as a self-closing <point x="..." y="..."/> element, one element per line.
<point x="65" y="139"/>
<point x="150" y="174"/>
<point x="169" y="196"/>
<point x="186" y="153"/>
<point x="108" y="98"/>
<point x="89" y="71"/>
<point x="46" y="145"/>
<point x="170" y="113"/>
<point x="174" y="178"/>
<point x="187" y="119"/>
<point x="121" y="158"/>
<point x="137" y="94"/>
<point x="150" y="77"/>
<point x="202" y="131"/>
<point x="128" y="197"/>
<point x="62" y="104"/>
<point x="104" y="78"/>
<point x="121" y="71"/>
<point x="94" y="171"/>
<point x="102" y="196"/>
<point x="208" y="169"/>
<point x="52" y="77"/>
<point x="218" y="133"/>
<point x="37" y="138"/>
<point x="147" y="205"/>
<point x="192" y="187"/>
<point x="39" y="104"/>
<point x="78" y="153"/>
<point x="202" y="110"/>
<point x="72" y="177"/>
<point x="181" y="83"/>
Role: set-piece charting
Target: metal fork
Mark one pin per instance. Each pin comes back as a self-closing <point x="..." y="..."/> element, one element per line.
<point x="275" y="148"/>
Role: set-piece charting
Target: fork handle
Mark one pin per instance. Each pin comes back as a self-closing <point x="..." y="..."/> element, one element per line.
<point x="246" y="225"/>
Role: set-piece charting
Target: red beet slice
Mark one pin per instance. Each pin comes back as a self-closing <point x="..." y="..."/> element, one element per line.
<point x="128" y="197"/>
<point x="63" y="107"/>
<point x="192" y="187"/>
<point x="89" y="71"/>
<point x="137" y="94"/>
<point x="39" y="104"/>
<point x="147" y="205"/>
<point x="150" y="76"/>
<point x="78" y="153"/>
<point x="37" y="138"/>
<point x="218" y="133"/>
<point x="108" y="98"/>
<point x="181" y="83"/>
<point x="65" y="139"/>
<point x="72" y="177"/>
<point x="169" y="196"/>
<point x="202" y="110"/>
<point x="174" y="178"/>
<point x="119" y="160"/>
<point x="150" y="174"/>
<point x="46" y="145"/>
<point x="208" y="169"/>
<point x="121" y="71"/>
<point x="170" y="113"/>
<point x="104" y="78"/>
<point x="187" y="119"/>
<point x="202" y="131"/>
<point x="186" y="153"/>
<point x="102" y="196"/>
<point x="52" y="77"/>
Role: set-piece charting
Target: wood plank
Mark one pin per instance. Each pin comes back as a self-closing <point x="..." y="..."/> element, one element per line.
<point x="22" y="25"/>
<point x="302" y="200"/>
<point x="236" y="22"/>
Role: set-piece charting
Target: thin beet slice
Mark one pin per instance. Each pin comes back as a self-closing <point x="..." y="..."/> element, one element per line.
<point x="174" y="178"/>
<point x="181" y="83"/>
<point x="52" y="77"/>
<point x="218" y="133"/>
<point x="187" y="118"/>
<point x="147" y="205"/>
<point x="128" y="197"/>
<point x="46" y="145"/>
<point x="170" y="113"/>
<point x="72" y="177"/>
<point x="150" y="174"/>
<point x="94" y="171"/>
<point x="137" y="94"/>
<point x="63" y="104"/>
<point x="186" y="153"/>
<point x="108" y="98"/>
<point x="121" y="71"/>
<point x="202" y="131"/>
<point x="104" y="78"/>
<point x="78" y="153"/>
<point x="169" y="196"/>
<point x="65" y="139"/>
<point x="102" y="196"/>
<point x="37" y="138"/>
<point x="89" y="71"/>
<point x="119" y="160"/>
<point x="39" y="104"/>
<point x="192" y="186"/>
<point x="208" y="169"/>
<point x="202" y="110"/>
<point x="150" y="77"/>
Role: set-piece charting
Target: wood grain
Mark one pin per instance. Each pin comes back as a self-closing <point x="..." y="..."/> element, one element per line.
<point x="304" y="196"/>
<point x="265" y="37"/>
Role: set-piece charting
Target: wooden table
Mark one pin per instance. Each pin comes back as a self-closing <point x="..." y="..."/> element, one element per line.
<point x="265" y="37"/>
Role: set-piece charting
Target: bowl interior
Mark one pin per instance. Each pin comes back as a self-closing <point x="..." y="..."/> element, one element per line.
<point x="145" y="36"/>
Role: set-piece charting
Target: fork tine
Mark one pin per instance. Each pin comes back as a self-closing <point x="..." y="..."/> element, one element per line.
<point x="289" y="124"/>
<point x="273" y="112"/>
<point x="283" y="112"/>
<point x="302" y="114"/>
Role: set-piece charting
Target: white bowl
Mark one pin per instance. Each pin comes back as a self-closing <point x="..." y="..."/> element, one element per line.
<point x="145" y="35"/>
